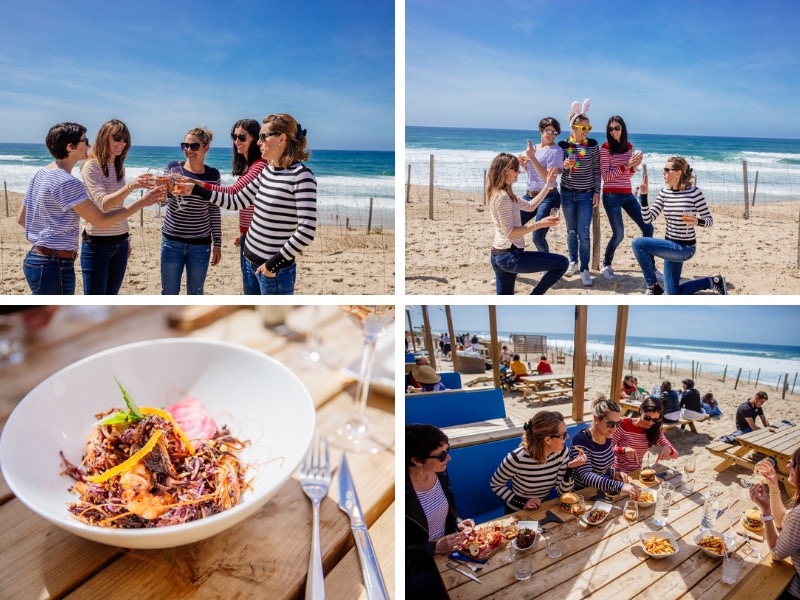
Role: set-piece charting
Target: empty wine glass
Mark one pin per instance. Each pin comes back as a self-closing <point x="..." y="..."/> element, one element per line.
<point x="631" y="514"/>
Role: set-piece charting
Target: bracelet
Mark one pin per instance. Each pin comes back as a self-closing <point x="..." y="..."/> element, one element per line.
<point x="766" y="518"/>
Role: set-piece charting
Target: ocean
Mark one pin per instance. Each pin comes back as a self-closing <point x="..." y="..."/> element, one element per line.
<point x="346" y="179"/>
<point x="462" y="155"/>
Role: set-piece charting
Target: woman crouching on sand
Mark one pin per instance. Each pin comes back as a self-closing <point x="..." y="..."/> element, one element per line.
<point x="684" y="208"/>
<point x="508" y="256"/>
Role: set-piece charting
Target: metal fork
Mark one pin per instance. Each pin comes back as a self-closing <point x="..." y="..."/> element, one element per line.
<point x="315" y="478"/>
<point x="749" y="543"/>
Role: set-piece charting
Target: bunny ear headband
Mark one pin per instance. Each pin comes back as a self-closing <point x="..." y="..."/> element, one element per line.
<point x="578" y="109"/>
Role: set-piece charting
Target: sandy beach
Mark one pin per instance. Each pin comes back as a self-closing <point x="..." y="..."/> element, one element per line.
<point x="340" y="261"/>
<point x="450" y="254"/>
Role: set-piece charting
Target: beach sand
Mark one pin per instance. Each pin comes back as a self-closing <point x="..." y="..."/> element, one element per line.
<point x="450" y="255"/>
<point x="339" y="261"/>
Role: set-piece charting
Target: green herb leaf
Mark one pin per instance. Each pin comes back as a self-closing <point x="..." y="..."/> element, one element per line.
<point x="118" y="418"/>
<point x="134" y="414"/>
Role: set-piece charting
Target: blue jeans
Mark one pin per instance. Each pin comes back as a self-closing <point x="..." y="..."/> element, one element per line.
<point x="177" y="255"/>
<point x="577" y="208"/>
<point x="614" y="204"/>
<point x="103" y="267"/>
<point x="47" y="275"/>
<point x="711" y="411"/>
<point x="280" y="285"/>
<point x="508" y="264"/>
<point x="549" y="202"/>
<point x="250" y="285"/>
<point x="674" y="255"/>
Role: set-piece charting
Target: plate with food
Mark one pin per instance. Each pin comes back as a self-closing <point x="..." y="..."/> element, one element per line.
<point x="597" y="514"/>
<point x="483" y="541"/>
<point x="157" y="444"/>
<point x="646" y="499"/>
<point x="648" y="477"/>
<point x="659" y="544"/>
<point x="527" y="534"/>
<point x="713" y="543"/>
<point x="751" y="520"/>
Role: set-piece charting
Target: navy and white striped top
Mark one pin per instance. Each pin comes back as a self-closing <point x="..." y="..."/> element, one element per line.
<point x="192" y="219"/>
<point x="587" y="175"/>
<point x="435" y="506"/>
<point x="597" y="471"/>
<point x="530" y="479"/>
<point x="673" y="203"/>
<point x="49" y="200"/>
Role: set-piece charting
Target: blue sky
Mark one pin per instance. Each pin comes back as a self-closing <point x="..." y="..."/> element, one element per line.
<point x="751" y="324"/>
<point x="681" y="67"/>
<point x="165" y="67"/>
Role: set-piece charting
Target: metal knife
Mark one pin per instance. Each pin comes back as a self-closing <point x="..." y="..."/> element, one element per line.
<point x="348" y="502"/>
<point x="450" y="565"/>
<point x="749" y="543"/>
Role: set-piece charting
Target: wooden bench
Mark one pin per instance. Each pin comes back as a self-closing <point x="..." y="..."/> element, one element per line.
<point x="682" y="424"/>
<point x="565" y="392"/>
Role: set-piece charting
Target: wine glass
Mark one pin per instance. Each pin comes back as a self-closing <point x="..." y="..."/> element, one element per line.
<point x="689" y="466"/>
<point x="631" y="514"/>
<point x="554" y="212"/>
<point x="578" y="510"/>
<point x="355" y="432"/>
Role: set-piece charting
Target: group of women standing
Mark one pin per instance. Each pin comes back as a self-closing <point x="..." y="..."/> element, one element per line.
<point x="589" y="171"/>
<point x="275" y="194"/>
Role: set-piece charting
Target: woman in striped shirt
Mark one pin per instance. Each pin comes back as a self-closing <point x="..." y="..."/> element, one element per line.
<point x="540" y="465"/>
<point x="634" y="436"/>
<point x="684" y="208"/>
<point x="285" y="198"/>
<point x="508" y="255"/>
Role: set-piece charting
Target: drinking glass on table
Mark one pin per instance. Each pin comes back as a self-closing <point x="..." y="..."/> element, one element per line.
<point x="578" y="510"/>
<point x="510" y="532"/>
<point x="689" y="466"/>
<point x="553" y="549"/>
<point x="631" y="514"/>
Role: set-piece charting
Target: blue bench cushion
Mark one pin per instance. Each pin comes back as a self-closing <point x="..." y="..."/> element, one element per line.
<point x="457" y="407"/>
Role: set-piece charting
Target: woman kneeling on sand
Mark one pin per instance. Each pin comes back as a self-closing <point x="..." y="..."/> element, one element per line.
<point x="508" y="255"/>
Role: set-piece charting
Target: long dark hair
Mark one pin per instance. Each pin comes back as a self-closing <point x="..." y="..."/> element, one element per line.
<point x="652" y="405"/>
<point x="100" y="153"/>
<point x="614" y="146"/>
<point x="242" y="163"/>
<point x="495" y="178"/>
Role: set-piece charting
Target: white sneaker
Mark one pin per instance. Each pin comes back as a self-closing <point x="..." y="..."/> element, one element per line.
<point x="573" y="266"/>
<point x="608" y="272"/>
<point x="586" y="279"/>
<point x="659" y="276"/>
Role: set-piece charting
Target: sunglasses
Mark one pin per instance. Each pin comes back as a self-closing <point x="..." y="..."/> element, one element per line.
<point x="651" y="419"/>
<point x="611" y="424"/>
<point x="667" y="170"/>
<point x="119" y="138"/>
<point x="563" y="436"/>
<point x="84" y="140"/>
<point x="790" y="464"/>
<point x="239" y="136"/>
<point x="551" y="132"/>
<point x="262" y="137"/>
<point x="194" y="146"/>
<point x="442" y="456"/>
<point x="615" y="128"/>
<point x="582" y="127"/>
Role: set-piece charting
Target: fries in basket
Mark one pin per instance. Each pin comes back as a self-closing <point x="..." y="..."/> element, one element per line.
<point x="712" y="543"/>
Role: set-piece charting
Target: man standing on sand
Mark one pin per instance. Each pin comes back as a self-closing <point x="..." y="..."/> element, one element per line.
<point x="747" y="412"/>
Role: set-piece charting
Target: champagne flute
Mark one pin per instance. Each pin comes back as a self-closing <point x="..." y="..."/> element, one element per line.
<point x="578" y="510"/>
<point x="355" y="432"/>
<point x="631" y="514"/>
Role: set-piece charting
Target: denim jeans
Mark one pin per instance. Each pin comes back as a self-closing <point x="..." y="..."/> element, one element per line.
<point x="549" y="202"/>
<point x="103" y="267"/>
<point x="47" y="275"/>
<point x="614" y="204"/>
<point x="280" y="285"/>
<point x="175" y="256"/>
<point x="674" y="255"/>
<point x="507" y="265"/>
<point x="250" y="285"/>
<point x="577" y="208"/>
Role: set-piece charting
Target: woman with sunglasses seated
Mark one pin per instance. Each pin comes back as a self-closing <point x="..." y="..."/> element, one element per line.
<point x="540" y="465"/>
<point x="433" y="525"/>
<point x="285" y="198"/>
<point x="634" y="436"/>
<point x="595" y="441"/>
<point x="192" y="229"/>
<point x="684" y="208"/>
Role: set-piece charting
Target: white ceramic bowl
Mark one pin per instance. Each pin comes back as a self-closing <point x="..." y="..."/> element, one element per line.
<point x="731" y="543"/>
<point x="604" y="506"/>
<point x="533" y="525"/>
<point x="643" y="504"/>
<point x="258" y="398"/>
<point x="662" y="534"/>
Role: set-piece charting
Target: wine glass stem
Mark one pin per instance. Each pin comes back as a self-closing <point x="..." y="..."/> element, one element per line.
<point x="362" y="389"/>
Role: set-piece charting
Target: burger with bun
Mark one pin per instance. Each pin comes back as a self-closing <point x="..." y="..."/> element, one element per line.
<point x="647" y="476"/>
<point x="752" y="520"/>
<point x="567" y="500"/>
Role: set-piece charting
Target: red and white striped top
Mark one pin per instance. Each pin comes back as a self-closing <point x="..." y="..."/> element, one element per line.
<point x="614" y="171"/>
<point x="632" y="436"/>
<point x="245" y="214"/>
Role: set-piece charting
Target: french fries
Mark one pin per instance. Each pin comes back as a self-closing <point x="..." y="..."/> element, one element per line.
<point x="646" y="497"/>
<point x="712" y="543"/>
<point x="658" y="545"/>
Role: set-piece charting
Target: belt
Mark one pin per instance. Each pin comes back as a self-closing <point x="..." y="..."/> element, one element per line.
<point x="45" y="251"/>
<point x="532" y="192"/>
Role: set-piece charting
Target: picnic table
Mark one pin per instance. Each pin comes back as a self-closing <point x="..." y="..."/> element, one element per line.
<point x="535" y="384"/>
<point x="266" y="556"/>
<point x="631" y="407"/>
<point x="601" y="565"/>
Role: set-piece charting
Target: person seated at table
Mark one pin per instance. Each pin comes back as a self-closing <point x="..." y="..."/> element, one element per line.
<point x="710" y="405"/>
<point x="518" y="367"/>
<point x="427" y="379"/>
<point x="690" y="403"/>
<point x="671" y="402"/>
<point x="433" y="525"/>
<point x="628" y="389"/>
<point x="539" y="465"/>
<point x="410" y="381"/>
<point x="634" y="436"/>
<point x="506" y="356"/>
<point x="786" y="543"/>
<point x="543" y="368"/>
<point x="595" y="441"/>
<point x="748" y="411"/>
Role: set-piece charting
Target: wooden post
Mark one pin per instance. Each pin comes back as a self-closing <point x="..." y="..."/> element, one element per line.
<point x="755" y="188"/>
<point x="494" y="346"/>
<point x="369" y="219"/>
<point x="428" y="337"/>
<point x="485" y="198"/>
<point x="5" y="189"/>
<point x="798" y="243"/>
<point x="579" y="363"/>
<point x="660" y="362"/>
<point x="430" y="191"/>
<point x="737" y="378"/>
<point x="408" y="185"/>
<point x="618" y="358"/>
<point x="777" y="385"/>
<point x="692" y="369"/>
<point x="596" y="249"/>
<point x="411" y="328"/>
<point x="757" y="376"/>
<point x="794" y="382"/>
<point x="746" y="190"/>
<point x="785" y="386"/>
<point x="453" y="353"/>
<point x="724" y="373"/>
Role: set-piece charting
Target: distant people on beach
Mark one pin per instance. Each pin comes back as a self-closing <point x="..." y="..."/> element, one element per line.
<point x="192" y="229"/>
<point x="105" y="250"/>
<point x="710" y="405"/>
<point x="540" y="157"/>
<point x="671" y="403"/>
<point x="690" y="402"/>
<point x="508" y="254"/>
<point x="684" y="208"/>
<point x="518" y="367"/>
<point x="580" y="189"/>
<point x="618" y="164"/>
<point x="543" y="368"/>
<point x="747" y="412"/>
<point x="53" y="206"/>
<point x="285" y="198"/>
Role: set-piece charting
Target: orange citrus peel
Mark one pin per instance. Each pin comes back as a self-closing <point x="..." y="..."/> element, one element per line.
<point x="128" y="464"/>
<point x="168" y="417"/>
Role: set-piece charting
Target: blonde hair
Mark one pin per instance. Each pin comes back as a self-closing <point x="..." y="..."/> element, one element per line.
<point x="203" y="132"/>
<point x="496" y="177"/>
<point x="601" y="407"/>
<point x="296" y="140"/>
<point x="543" y="424"/>
<point x="687" y="179"/>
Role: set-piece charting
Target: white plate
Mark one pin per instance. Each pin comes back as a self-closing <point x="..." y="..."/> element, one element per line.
<point x="597" y="506"/>
<point x="662" y="534"/>
<point x="534" y="525"/>
<point x="705" y="532"/>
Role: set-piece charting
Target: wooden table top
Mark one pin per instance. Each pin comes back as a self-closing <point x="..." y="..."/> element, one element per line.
<point x="265" y="556"/>
<point x="601" y="565"/>
<point x="773" y="440"/>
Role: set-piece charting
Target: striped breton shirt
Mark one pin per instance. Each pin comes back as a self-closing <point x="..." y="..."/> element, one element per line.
<point x="505" y="214"/>
<point x="99" y="186"/>
<point x="614" y="171"/>
<point x="597" y="471"/>
<point x="530" y="479"/>
<point x="246" y="214"/>
<point x="436" y="507"/>
<point x="587" y="175"/>
<point x="192" y="220"/>
<point x="672" y="203"/>
<point x="49" y="200"/>
<point x="285" y="218"/>
<point x="631" y="436"/>
<point x="788" y="545"/>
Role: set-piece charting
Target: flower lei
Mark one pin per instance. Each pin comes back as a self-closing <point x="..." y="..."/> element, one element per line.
<point x="581" y="150"/>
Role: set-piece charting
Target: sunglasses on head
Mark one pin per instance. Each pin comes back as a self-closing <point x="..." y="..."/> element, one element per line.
<point x="119" y="138"/>
<point x="194" y="146"/>
<point x="239" y="136"/>
<point x="582" y="127"/>
<point x="651" y="419"/>
<point x="442" y="456"/>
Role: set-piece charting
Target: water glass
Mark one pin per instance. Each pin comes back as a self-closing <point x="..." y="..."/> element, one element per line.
<point x="523" y="567"/>
<point x="731" y="566"/>
<point x="687" y="489"/>
<point x="12" y="339"/>
<point x="553" y="549"/>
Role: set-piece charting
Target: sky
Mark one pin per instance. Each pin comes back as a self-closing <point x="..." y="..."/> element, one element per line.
<point x="750" y="324"/>
<point x="682" y="67"/>
<point x="165" y="67"/>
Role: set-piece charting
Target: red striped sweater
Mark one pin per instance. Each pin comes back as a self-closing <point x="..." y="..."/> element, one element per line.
<point x="629" y="435"/>
<point x="614" y="171"/>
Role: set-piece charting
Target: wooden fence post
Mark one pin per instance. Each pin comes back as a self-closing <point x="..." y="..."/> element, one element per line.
<point x="757" y="376"/>
<point x="5" y="189"/>
<point x="737" y="378"/>
<point x="724" y="373"/>
<point x="408" y="185"/>
<point x="369" y="219"/>
<point x="746" y="190"/>
<point x="430" y="191"/>
<point x="785" y="386"/>
<point x="755" y="188"/>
